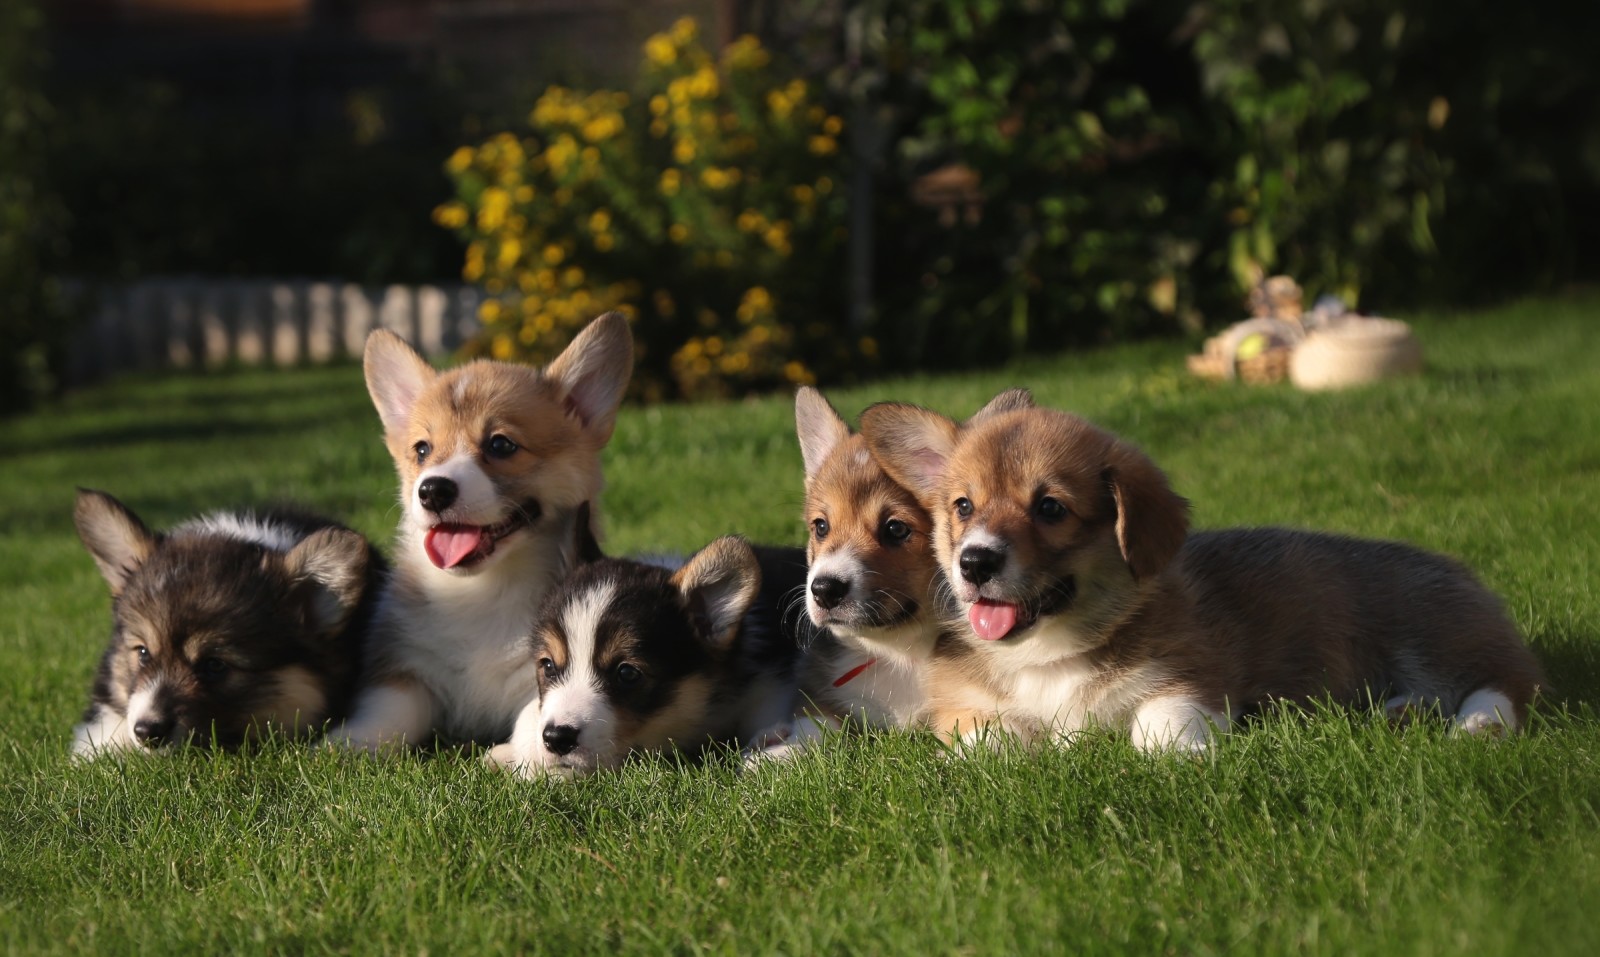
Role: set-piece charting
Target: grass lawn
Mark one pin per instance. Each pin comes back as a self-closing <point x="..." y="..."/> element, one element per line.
<point x="1324" y="834"/>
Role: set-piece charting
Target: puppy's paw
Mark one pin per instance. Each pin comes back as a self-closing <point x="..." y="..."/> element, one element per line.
<point x="501" y="757"/>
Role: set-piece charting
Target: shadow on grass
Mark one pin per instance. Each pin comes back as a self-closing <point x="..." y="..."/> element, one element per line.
<point x="1572" y="668"/>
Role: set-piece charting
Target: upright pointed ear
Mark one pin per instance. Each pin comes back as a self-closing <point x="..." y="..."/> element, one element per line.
<point x="585" y="544"/>
<point x="1152" y="519"/>
<point x="396" y="376"/>
<point x="330" y="566"/>
<point x="912" y="443"/>
<point x="1011" y="400"/>
<point x="819" y="426"/>
<point x="114" y="536"/>
<point x="594" y="372"/>
<point x="718" y="584"/>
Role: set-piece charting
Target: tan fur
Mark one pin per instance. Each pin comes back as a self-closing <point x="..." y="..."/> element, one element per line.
<point x="1165" y="632"/>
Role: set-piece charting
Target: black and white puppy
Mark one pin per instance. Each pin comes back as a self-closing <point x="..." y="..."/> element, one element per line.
<point x="634" y="657"/>
<point x="230" y="624"/>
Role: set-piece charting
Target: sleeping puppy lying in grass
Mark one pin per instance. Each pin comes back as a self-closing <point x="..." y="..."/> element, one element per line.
<point x="634" y="658"/>
<point x="227" y="626"/>
<point x="1086" y="602"/>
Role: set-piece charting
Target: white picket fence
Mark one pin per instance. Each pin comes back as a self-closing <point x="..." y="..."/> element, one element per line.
<point x="187" y="323"/>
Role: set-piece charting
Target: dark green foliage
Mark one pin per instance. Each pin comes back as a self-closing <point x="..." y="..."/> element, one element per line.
<point x="30" y="216"/>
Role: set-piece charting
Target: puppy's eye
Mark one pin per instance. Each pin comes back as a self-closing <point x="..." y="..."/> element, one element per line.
<point x="820" y="527"/>
<point x="1050" y="509"/>
<point x="547" y="667"/>
<point x="142" y="653"/>
<point x="964" y="507"/>
<point x="422" y="449"/>
<point x="211" y="667"/>
<point x="500" y="447"/>
<point x="896" y="531"/>
<point x="628" y="675"/>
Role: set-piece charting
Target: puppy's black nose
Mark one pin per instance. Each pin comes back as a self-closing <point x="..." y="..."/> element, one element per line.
<point x="560" y="738"/>
<point x="829" y="591"/>
<point x="152" y="732"/>
<point x="979" y="564"/>
<point x="436" y="493"/>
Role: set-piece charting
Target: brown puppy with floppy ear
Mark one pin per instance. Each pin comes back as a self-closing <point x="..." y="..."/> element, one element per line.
<point x="1087" y="601"/>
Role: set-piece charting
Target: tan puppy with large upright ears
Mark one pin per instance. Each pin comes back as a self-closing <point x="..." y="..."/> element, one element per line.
<point x="495" y="460"/>
<point x="1088" y="603"/>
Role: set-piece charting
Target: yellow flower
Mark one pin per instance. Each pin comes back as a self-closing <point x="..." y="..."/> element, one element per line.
<point x="658" y="128"/>
<point x="670" y="181"/>
<point x="823" y="145"/>
<point x="553" y="254"/>
<point x="660" y="50"/>
<point x="492" y="209"/>
<point x="450" y="215"/>
<point x="504" y="348"/>
<point x="678" y="233"/>
<point x="715" y="178"/>
<point x="604" y="242"/>
<point x="489" y="310"/>
<point x="602" y="128"/>
<point x="524" y="194"/>
<point x="703" y="84"/>
<point x="803" y="194"/>
<point x="751" y="221"/>
<point x="664" y="304"/>
<point x="659" y="105"/>
<point x="459" y="160"/>
<point x="684" y="30"/>
<point x="745" y="53"/>
<point x="510" y="252"/>
<point x="832" y="125"/>
<point x="796" y="372"/>
<point x="780" y="105"/>
<point x="600" y="221"/>
<point x="683" y="150"/>
<point x="572" y="276"/>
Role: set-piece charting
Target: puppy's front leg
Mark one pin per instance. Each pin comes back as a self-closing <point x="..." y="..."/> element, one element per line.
<point x="394" y="714"/>
<point x="1175" y="722"/>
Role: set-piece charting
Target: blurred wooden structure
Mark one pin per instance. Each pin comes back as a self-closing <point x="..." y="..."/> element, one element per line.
<point x="189" y="323"/>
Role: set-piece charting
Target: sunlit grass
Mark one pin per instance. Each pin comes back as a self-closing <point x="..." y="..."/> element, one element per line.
<point x="1327" y="833"/>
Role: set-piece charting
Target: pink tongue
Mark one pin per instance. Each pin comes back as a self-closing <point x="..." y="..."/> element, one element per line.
<point x="449" y="545"/>
<point x="992" y="620"/>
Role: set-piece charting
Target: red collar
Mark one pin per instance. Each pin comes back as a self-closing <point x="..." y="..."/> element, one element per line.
<point x="853" y="673"/>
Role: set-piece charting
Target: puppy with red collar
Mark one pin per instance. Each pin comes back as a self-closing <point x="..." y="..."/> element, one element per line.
<point x="1087" y="602"/>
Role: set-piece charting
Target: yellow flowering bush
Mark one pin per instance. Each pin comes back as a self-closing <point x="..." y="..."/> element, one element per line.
<point x="703" y="206"/>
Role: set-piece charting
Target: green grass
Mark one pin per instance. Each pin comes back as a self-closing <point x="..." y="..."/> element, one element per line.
<point x="1324" y="834"/>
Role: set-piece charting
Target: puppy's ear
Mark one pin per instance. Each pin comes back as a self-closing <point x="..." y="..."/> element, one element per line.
<point x="1152" y="519"/>
<point x="819" y="426"/>
<point x="594" y="371"/>
<point x="912" y="443"/>
<point x="585" y="545"/>
<point x="329" y="566"/>
<point x="114" y="536"/>
<point x="718" y="584"/>
<point x="1011" y="400"/>
<point x="396" y="375"/>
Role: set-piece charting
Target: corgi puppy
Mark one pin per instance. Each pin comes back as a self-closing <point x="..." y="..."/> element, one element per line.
<point x="632" y="658"/>
<point x="1088" y="602"/>
<point x="873" y="589"/>
<point x="494" y="460"/>
<point x="224" y="627"/>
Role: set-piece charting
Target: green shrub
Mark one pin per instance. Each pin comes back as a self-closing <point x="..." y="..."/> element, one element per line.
<point x="705" y="206"/>
<point x="30" y="217"/>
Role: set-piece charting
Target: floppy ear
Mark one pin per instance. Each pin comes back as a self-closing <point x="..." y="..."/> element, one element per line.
<point x="594" y="370"/>
<point x="819" y="426"/>
<point x="1011" y="400"/>
<point x="718" y="584"/>
<point x="330" y="566"/>
<point x="1152" y="519"/>
<point x="585" y="546"/>
<point x="396" y="375"/>
<point x="114" y="536"/>
<point x="912" y="443"/>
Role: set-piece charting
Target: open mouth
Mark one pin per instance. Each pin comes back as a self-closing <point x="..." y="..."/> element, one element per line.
<point x="450" y="545"/>
<point x="995" y="620"/>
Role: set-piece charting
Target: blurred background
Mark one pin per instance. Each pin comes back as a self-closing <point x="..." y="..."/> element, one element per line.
<point x="774" y="191"/>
